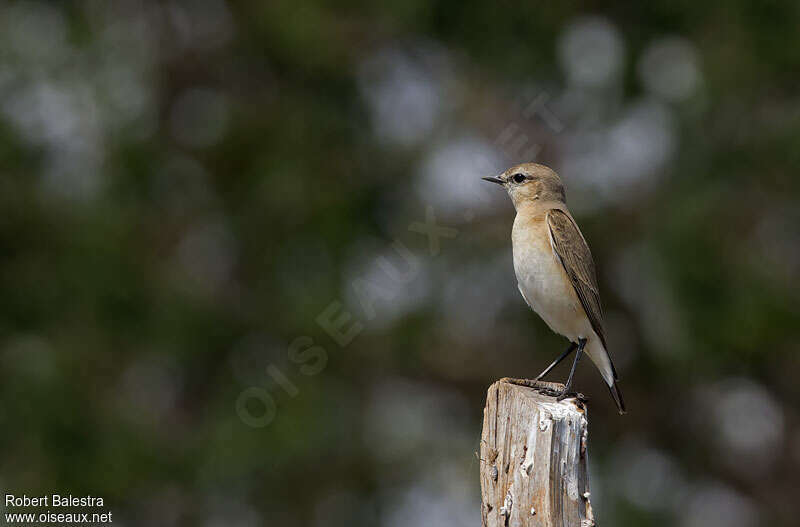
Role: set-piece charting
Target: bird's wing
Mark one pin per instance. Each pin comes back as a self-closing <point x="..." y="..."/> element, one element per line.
<point x="574" y="254"/>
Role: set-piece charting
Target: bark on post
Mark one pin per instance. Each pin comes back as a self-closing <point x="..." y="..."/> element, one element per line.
<point x="533" y="458"/>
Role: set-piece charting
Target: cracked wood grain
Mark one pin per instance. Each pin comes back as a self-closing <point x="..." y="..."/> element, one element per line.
<point x="533" y="458"/>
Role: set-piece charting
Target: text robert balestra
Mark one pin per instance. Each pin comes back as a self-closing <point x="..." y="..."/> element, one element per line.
<point x="52" y="500"/>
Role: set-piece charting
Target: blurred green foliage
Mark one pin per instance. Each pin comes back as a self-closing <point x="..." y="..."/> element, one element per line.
<point x="186" y="187"/>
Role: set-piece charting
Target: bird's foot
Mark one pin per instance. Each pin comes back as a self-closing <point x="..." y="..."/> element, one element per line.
<point x="553" y="389"/>
<point x="564" y="394"/>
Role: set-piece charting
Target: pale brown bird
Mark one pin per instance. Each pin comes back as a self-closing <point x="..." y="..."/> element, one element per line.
<point x="554" y="268"/>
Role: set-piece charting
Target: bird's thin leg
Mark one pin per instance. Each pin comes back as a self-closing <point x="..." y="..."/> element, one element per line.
<point x="568" y="386"/>
<point x="547" y="370"/>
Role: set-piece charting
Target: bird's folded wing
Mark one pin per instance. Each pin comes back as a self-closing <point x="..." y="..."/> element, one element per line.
<point x="573" y="252"/>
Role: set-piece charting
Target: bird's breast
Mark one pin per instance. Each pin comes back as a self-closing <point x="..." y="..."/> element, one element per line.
<point x="541" y="278"/>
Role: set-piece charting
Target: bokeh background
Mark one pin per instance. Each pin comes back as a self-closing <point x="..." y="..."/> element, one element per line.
<point x="219" y="306"/>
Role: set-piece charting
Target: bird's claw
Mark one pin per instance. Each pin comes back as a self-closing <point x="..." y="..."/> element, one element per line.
<point x="551" y="389"/>
<point x="571" y="395"/>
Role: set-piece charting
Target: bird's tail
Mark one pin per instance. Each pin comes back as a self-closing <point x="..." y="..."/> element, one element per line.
<point x="617" y="395"/>
<point x="599" y="356"/>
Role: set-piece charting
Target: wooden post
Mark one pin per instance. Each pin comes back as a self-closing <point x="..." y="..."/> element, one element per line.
<point x="533" y="457"/>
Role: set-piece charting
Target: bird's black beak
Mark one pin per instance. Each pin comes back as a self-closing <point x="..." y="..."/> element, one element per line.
<point x="493" y="179"/>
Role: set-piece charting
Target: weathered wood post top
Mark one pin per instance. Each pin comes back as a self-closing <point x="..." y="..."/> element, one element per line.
<point x="533" y="457"/>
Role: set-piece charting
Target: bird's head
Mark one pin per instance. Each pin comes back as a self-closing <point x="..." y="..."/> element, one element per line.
<point x="530" y="182"/>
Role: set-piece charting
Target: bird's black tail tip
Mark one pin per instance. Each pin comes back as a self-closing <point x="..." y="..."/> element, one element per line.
<point x="617" y="395"/>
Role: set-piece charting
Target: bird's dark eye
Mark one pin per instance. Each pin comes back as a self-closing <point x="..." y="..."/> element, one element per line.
<point x="518" y="178"/>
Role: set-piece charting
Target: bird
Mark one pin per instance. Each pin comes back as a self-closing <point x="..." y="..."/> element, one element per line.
<point x="555" y="270"/>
